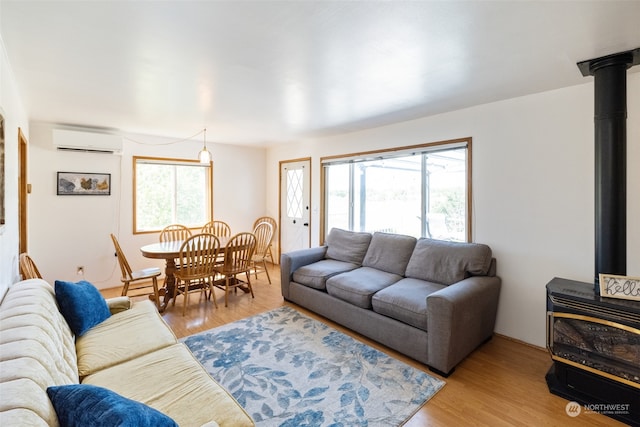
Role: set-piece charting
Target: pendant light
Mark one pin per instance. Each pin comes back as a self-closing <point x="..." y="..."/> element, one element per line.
<point x="204" y="156"/>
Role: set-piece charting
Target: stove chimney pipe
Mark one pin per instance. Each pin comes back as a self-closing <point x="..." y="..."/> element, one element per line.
<point x="610" y="81"/>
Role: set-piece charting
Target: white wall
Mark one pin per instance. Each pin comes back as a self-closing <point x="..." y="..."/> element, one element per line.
<point x="70" y="231"/>
<point x="15" y="117"/>
<point x="533" y="185"/>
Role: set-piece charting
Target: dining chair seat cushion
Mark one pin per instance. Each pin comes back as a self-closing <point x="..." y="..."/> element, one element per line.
<point x="81" y="405"/>
<point x="145" y="273"/>
<point x="191" y="397"/>
<point x="81" y="304"/>
<point x="124" y="336"/>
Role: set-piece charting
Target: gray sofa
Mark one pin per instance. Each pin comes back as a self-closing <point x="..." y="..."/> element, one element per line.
<point x="432" y="300"/>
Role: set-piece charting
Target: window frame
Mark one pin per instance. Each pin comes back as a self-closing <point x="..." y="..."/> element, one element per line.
<point x="395" y="152"/>
<point x="171" y="161"/>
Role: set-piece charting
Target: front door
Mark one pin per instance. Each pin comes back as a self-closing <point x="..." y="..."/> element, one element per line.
<point x="295" y="206"/>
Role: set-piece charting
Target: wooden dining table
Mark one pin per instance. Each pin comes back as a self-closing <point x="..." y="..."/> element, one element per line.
<point x="170" y="251"/>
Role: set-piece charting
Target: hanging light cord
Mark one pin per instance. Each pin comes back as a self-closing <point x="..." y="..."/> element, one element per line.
<point x="169" y="142"/>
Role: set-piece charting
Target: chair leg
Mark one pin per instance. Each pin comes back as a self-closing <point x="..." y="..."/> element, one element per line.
<point x="264" y="264"/>
<point x="186" y="298"/>
<point x="249" y="284"/>
<point x="271" y="255"/>
<point x="125" y="288"/>
<point x="226" y="291"/>
<point x="212" y="295"/>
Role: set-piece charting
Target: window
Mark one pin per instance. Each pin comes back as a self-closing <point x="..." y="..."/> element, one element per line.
<point x="170" y="191"/>
<point x="421" y="191"/>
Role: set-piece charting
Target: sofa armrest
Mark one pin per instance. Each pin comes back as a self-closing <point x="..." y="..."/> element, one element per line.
<point x="460" y="317"/>
<point x="118" y="304"/>
<point x="291" y="261"/>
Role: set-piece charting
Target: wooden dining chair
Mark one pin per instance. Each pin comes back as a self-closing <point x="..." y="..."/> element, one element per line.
<point x="28" y="268"/>
<point x="175" y="233"/>
<point x="274" y="224"/>
<point x="264" y="235"/>
<point x="217" y="228"/>
<point x="136" y="280"/>
<point x="197" y="260"/>
<point x="237" y="260"/>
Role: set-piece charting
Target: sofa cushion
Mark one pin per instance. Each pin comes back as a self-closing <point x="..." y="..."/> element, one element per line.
<point x="123" y="336"/>
<point x="37" y="350"/>
<point x="347" y="246"/>
<point x="448" y="262"/>
<point x="359" y="285"/>
<point x="406" y="301"/>
<point x="81" y="304"/>
<point x="389" y="252"/>
<point x="81" y="405"/>
<point x="315" y="275"/>
<point x="172" y="381"/>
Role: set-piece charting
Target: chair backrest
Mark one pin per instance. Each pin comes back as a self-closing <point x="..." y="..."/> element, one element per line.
<point x="268" y="219"/>
<point x="264" y="235"/>
<point x="125" y="268"/>
<point x="198" y="255"/>
<point x="217" y="228"/>
<point x="28" y="268"/>
<point x="175" y="233"/>
<point x="238" y="252"/>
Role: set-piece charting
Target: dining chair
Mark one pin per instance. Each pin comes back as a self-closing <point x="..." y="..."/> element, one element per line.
<point x="264" y="235"/>
<point x="217" y="228"/>
<point x="274" y="224"/>
<point x="237" y="260"/>
<point x="28" y="268"/>
<point x="136" y="280"/>
<point x="174" y="232"/>
<point x="195" y="272"/>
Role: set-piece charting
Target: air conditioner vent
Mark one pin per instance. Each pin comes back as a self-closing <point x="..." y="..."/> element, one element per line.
<point x="86" y="142"/>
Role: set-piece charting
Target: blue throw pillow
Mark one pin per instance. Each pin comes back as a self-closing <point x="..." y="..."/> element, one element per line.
<point x="85" y="405"/>
<point x="81" y="304"/>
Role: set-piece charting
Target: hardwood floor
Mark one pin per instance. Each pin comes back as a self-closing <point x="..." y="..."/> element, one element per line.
<point x="500" y="384"/>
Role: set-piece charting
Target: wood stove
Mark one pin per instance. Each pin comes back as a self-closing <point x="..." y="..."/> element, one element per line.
<point x="594" y="341"/>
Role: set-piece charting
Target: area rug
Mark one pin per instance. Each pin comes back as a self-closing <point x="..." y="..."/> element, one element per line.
<point x="287" y="369"/>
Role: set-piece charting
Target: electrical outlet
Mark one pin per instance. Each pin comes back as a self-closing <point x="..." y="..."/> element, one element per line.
<point x="80" y="270"/>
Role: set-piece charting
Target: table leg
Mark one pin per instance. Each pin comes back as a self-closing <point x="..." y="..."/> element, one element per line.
<point x="166" y="293"/>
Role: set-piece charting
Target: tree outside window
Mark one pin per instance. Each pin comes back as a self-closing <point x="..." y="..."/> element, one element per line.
<point x="170" y="191"/>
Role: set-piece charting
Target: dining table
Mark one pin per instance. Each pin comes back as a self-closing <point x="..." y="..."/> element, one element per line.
<point x="170" y="251"/>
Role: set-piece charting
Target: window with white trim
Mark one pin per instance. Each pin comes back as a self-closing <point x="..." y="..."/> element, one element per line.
<point x="421" y="191"/>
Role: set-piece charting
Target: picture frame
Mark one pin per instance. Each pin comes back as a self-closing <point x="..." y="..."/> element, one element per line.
<point x="83" y="184"/>
<point x="622" y="287"/>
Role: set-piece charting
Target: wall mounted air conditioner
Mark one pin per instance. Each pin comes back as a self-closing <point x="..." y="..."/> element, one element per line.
<point x="89" y="142"/>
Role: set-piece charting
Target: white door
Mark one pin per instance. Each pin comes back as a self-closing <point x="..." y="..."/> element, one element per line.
<point x="295" y="208"/>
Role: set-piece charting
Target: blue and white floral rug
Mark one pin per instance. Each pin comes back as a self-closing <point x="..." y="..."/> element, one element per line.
<point x="287" y="369"/>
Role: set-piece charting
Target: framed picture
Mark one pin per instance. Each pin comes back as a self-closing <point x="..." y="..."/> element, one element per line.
<point x="82" y="183"/>
<point x="623" y="287"/>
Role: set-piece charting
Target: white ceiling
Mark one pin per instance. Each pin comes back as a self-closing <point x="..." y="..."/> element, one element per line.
<point x="266" y="72"/>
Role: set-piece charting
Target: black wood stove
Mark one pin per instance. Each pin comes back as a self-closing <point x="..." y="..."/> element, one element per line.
<point x="594" y="341"/>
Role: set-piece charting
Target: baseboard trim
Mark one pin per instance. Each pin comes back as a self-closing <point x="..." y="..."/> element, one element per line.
<point x="508" y="338"/>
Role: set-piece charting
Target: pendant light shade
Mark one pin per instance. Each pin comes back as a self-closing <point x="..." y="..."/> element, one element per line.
<point x="204" y="156"/>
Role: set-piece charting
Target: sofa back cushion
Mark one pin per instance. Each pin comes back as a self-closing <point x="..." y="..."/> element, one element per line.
<point x="37" y="350"/>
<point x="389" y="252"/>
<point x="448" y="262"/>
<point x="347" y="246"/>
